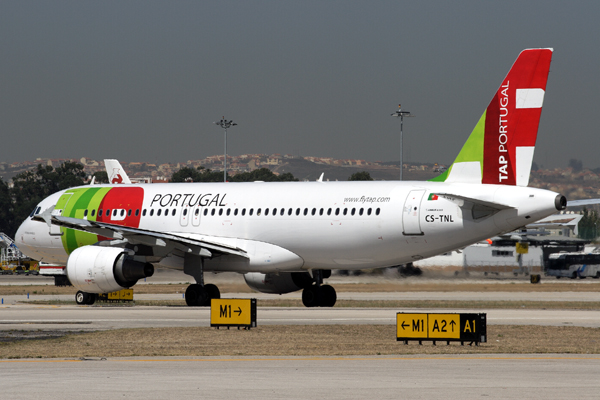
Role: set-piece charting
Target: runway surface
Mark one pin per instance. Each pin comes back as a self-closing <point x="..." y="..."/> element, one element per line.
<point x="29" y="316"/>
<point x="421" y="377"/>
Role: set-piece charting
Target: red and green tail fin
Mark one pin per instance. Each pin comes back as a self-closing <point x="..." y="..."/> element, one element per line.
<point x="500" y="148"/>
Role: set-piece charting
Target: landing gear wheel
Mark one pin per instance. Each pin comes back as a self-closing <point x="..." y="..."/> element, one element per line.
<point x="83" y="298"/>
<point x="311" y="296"/>
<point x="199" y="296"/>
<point x="195" y="295"/>
<point x="212" y="291"/>
<point x="328" y="296"/>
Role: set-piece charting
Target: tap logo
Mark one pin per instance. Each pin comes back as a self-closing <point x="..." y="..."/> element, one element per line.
<point x="116" y="176"/>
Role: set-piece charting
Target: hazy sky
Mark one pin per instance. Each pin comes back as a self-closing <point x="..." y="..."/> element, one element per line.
<point x="144" y="80"/>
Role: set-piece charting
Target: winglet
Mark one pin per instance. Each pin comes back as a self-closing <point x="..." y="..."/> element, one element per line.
<point x="116" y="173"/>
<point x="500" y="148"/>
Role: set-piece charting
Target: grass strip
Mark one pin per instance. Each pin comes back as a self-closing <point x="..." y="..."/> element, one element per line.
<point x="295" y="340"/>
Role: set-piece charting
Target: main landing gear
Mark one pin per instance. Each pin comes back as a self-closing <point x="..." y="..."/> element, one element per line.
<point x="317" y="294"/>
<point x="197" y="295"/>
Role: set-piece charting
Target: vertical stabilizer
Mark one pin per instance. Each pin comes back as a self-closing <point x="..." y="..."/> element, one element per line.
<point x="500" y="148"/>
<point x="116" y="173"/>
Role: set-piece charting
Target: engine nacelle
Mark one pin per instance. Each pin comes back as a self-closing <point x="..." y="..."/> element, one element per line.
<point x="284" y="282"/>
<point x="95" y="269"/>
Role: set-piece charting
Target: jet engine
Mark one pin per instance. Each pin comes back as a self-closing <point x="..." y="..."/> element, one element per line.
<point x="95" y="269"/>
<point x="284" y="282"/>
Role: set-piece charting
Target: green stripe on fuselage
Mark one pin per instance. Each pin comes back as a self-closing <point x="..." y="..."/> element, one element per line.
<point x="77" y="201"/>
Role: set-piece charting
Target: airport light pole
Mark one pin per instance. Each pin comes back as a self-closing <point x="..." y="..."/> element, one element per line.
<point x="225" y="124"/>
<point x="401" y="114"/>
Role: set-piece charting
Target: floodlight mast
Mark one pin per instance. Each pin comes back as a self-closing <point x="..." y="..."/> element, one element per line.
<point x="401" y="114"/>
<point x="225" y="124"/>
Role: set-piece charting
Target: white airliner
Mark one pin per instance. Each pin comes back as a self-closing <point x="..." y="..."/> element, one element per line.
<point x="288" y="236"/>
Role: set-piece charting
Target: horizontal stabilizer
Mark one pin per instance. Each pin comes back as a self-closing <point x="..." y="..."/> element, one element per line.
<point x="484" y="203"/>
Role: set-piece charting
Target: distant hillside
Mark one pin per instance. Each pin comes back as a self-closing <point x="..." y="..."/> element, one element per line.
<point x="307" y="170"/>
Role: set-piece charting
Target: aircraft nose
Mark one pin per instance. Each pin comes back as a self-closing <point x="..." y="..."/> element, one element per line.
<point x="25" y="238"/>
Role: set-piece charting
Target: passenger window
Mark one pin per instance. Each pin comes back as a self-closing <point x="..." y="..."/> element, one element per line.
<point x="197" y="212"/>
<point x="345" y="211"/>
<point x="235" y="212"/>
<point x="321" y="211"/>
<point x="282" y="211"/>
<point x="243" y="212"/>
<point x="257" y="212"/>
<point x="251" y="211"/>
<point x="275" y="211"/>
<point x="360" y="212"/>
<point x="137" y="212"/>
<point x="329" y="211"/>
<point x="85" y="213"/>
<point x="306" y="211"/>
<point x="144" y="212"/>
<point x="167" y="212"/>
<point x="152" y="212"/>
<point x="353" y="211"/>
<point x="290" y="211"/>
<point x="297" y="211"/>
<point x="314" y="211"/>
<point x="212" y="212"/>
<point x="337" y="211"/>
<point x="377" y="211"/>
<point x="158" y="212"/>
<point x="122" y="213"/>
<point x="369" y="211"/>
<point x="266" y="211"/>
<point x="220" y="211"/>
<point x="129" y="213"/>
<point x="205" y="212"/>
<point x="100" y="212"/>
<point x="174" y="212"/>
<point x="93" y="212"/>
<point x="228" y="212"/>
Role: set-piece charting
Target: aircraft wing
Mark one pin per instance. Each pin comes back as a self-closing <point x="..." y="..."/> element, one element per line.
<point x="201" y="247"/>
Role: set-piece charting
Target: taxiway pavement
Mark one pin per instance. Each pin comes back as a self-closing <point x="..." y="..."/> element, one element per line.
<point x="415" y="377"/>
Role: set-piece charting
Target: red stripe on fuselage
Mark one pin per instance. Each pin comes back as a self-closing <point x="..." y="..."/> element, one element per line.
<point x="122" y="198"/>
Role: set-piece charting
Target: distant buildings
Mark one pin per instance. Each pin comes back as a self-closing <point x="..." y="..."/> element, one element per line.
<point x="575" y="185"/>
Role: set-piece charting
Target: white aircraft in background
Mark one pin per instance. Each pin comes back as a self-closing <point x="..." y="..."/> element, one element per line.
<point x="116" y="173"/>
<point x="288" y="236"/>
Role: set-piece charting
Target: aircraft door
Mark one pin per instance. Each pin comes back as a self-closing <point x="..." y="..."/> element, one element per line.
<point x="185" y="216"/>
<point x="196" y="211"/>
<point x="411" y="213"/>
<point x="61" y="204"/>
